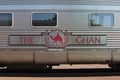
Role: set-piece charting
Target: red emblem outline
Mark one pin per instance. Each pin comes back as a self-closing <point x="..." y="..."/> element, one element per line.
<point x="56" y="38"/>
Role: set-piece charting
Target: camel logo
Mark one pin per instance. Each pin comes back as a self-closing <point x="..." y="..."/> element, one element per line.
<point x="56" y="38"/>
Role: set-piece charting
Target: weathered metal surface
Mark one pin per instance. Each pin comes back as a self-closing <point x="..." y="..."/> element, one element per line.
<point x="57" y="39"/>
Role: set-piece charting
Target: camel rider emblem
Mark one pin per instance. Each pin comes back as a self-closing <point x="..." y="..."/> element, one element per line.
<point x="56" y="38"/>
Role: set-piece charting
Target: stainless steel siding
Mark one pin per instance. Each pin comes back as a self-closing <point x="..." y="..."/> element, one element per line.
<point x="74" y="22"/>
<point x="65" y="2"/>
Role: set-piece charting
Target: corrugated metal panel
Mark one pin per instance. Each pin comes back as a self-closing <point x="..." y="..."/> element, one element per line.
<point x="112" y="41"/>
<point x="61" y="2"/>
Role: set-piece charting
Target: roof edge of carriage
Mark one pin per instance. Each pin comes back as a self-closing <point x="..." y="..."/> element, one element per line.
<point x="60" y="2"/>
<point x="59" y="7"/>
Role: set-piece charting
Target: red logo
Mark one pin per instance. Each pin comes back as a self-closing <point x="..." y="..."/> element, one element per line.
<point x="56" y="38"/>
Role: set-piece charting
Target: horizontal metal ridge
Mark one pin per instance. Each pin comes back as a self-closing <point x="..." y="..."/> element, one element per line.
<point x="45" y="48"/>
<point x="59" y="2"/>
<point x="58" y="7"/>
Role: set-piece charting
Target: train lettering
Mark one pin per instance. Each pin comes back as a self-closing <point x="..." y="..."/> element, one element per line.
<point x="88" y="40"/>
<point x="26" y="40"/>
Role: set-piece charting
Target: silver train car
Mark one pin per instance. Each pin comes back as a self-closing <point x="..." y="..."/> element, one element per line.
<point x="44" y="33"/>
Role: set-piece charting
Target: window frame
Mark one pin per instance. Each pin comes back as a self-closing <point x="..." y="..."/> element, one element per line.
<point x="43" y="26"/>
<point x="11" y="19"/>
<point x="101" y="26"/>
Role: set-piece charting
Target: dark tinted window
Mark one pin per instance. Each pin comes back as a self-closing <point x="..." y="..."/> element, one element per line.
<point x="5" y="19"/>
<point x="44" y="19"/>
<point x="101" y="19"/>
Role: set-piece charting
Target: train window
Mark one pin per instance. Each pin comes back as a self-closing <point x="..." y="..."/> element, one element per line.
<point x="5" y="19"/>
<point x="44" y="19"/>
<point x="101" y="19"/>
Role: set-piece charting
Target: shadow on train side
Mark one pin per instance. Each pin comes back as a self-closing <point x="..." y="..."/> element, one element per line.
<point x="60" y="73"/>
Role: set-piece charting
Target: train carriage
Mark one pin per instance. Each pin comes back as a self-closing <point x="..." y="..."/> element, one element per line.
<point x="44" y="33"/>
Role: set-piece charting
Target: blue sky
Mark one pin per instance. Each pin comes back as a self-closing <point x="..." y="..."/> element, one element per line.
<point x="5" y="16"/>
<point x="42" y="16"/>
